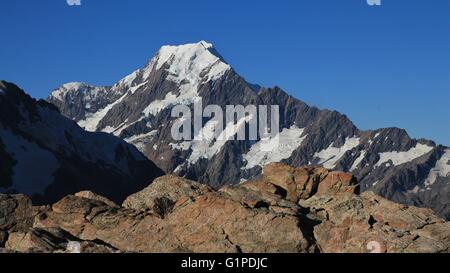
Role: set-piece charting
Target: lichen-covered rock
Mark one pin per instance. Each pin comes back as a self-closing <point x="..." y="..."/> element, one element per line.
<point x="303" y="183"/>
<point x="285" y="210"/>
<point x="169" y="187"/>
<point x="94" y="196"/>
<point x="338" y="183"/>
<point x="369" y="223"/>
<point x="212" y="222"/>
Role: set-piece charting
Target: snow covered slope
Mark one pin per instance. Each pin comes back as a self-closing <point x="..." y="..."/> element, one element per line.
<point x="47" y="156"/>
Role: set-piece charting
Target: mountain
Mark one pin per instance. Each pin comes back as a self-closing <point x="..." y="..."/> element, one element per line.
<point x="46" y="156"/>
<point x="287" y="210"/>
<point x="138" y="110"/>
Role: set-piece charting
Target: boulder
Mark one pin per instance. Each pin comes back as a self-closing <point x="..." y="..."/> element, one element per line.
<point x="286" y="210"/>
<point x="212" y="222"/>
<point x="164" y="191"/>
<point x="338" y="183"/>
<point x="94" y="196"/>
<point x="369" y="223"/>
<point x="53" y="240"/>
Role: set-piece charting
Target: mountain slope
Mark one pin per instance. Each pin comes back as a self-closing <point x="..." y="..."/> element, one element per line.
<point x="386" y="161"/>
<point x="47" y="156"/>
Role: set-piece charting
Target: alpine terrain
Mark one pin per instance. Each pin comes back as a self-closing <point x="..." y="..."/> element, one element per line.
<point x="47" y="156"/>
<point x="138" y="110"/>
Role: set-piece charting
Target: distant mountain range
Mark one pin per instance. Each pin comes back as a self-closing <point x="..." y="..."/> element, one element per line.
<point x="138" y="110"/>
<point x="47" y="156"/>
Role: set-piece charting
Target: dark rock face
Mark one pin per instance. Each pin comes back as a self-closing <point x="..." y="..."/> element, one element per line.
<point x="47" y="156"/>
<point x="285" y="210"/>
<point x="16" y="215"/>
<point x="386" y="161"/>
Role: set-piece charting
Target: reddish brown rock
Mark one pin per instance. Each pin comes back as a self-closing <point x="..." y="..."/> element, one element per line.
<point x="369" y="223"/>
<point x="168" y="188"/>
<point x="212" y="222"/>
<point x="286" y="210"/>
<point x="338" y="183"/>
<point x="283" y="176"/>
<point x="94" y="196"/>
<point x="307" y="180"/>
<point x="263" y="186"/>
<point x="302" y="183"/>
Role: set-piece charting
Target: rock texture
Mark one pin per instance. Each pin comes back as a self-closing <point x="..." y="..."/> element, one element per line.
<point x="137" y="108"/>
<point x="284" y="210"/>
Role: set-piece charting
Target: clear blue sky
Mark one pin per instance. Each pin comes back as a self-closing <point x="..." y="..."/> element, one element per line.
<point x="382" y="66"/>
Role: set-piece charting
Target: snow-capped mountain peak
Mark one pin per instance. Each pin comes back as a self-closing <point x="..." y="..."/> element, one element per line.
<point x="65" y="88"/>
<point x="137" y="109"/>
<point x="190" y="61"/>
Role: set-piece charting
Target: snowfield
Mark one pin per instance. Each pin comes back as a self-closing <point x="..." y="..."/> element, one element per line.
<point x="330" y="156"/>
<point x="399" y="158"/>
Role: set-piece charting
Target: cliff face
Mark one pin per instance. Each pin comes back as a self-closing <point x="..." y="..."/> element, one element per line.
<point x="284" y="210"/>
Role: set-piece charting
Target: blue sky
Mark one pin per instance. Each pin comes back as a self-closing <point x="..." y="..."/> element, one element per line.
<point x="382" y="66"/>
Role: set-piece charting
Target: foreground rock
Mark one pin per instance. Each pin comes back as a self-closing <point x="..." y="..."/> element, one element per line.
<point x="285" y="210"/>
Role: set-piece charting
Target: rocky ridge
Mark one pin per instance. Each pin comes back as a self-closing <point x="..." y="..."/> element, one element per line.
<point x="137" y="109"/>
<point x="286" y="209"/>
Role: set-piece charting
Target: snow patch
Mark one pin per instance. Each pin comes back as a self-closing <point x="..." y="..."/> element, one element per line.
<point x="91" y="122"/>
<point x="358" y="161"/>
<point x="157" y="106"/>
<point x="141" y="141"/>
<point x="207" y="145"/>
<point x="441" y="169"/>
<point x="289" y="140"/>
<point x="331" y="155"/>
<point x="415" y="190"/>
<point x="189" y="65"/>
<point x="135" y="88"/>
<point x="191" y="59"/>
<point x="141" y="136"/>
<point x="399" y="158"/>
<point x="61" y="92"/>
<point x="127" y="81"/>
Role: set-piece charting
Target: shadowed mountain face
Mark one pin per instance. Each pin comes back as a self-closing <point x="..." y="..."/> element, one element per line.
<point x="138" y="109"/>
<point x="45" y="155"/>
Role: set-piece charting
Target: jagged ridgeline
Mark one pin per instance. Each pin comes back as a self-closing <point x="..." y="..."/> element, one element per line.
<point x="138" y="110"/>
